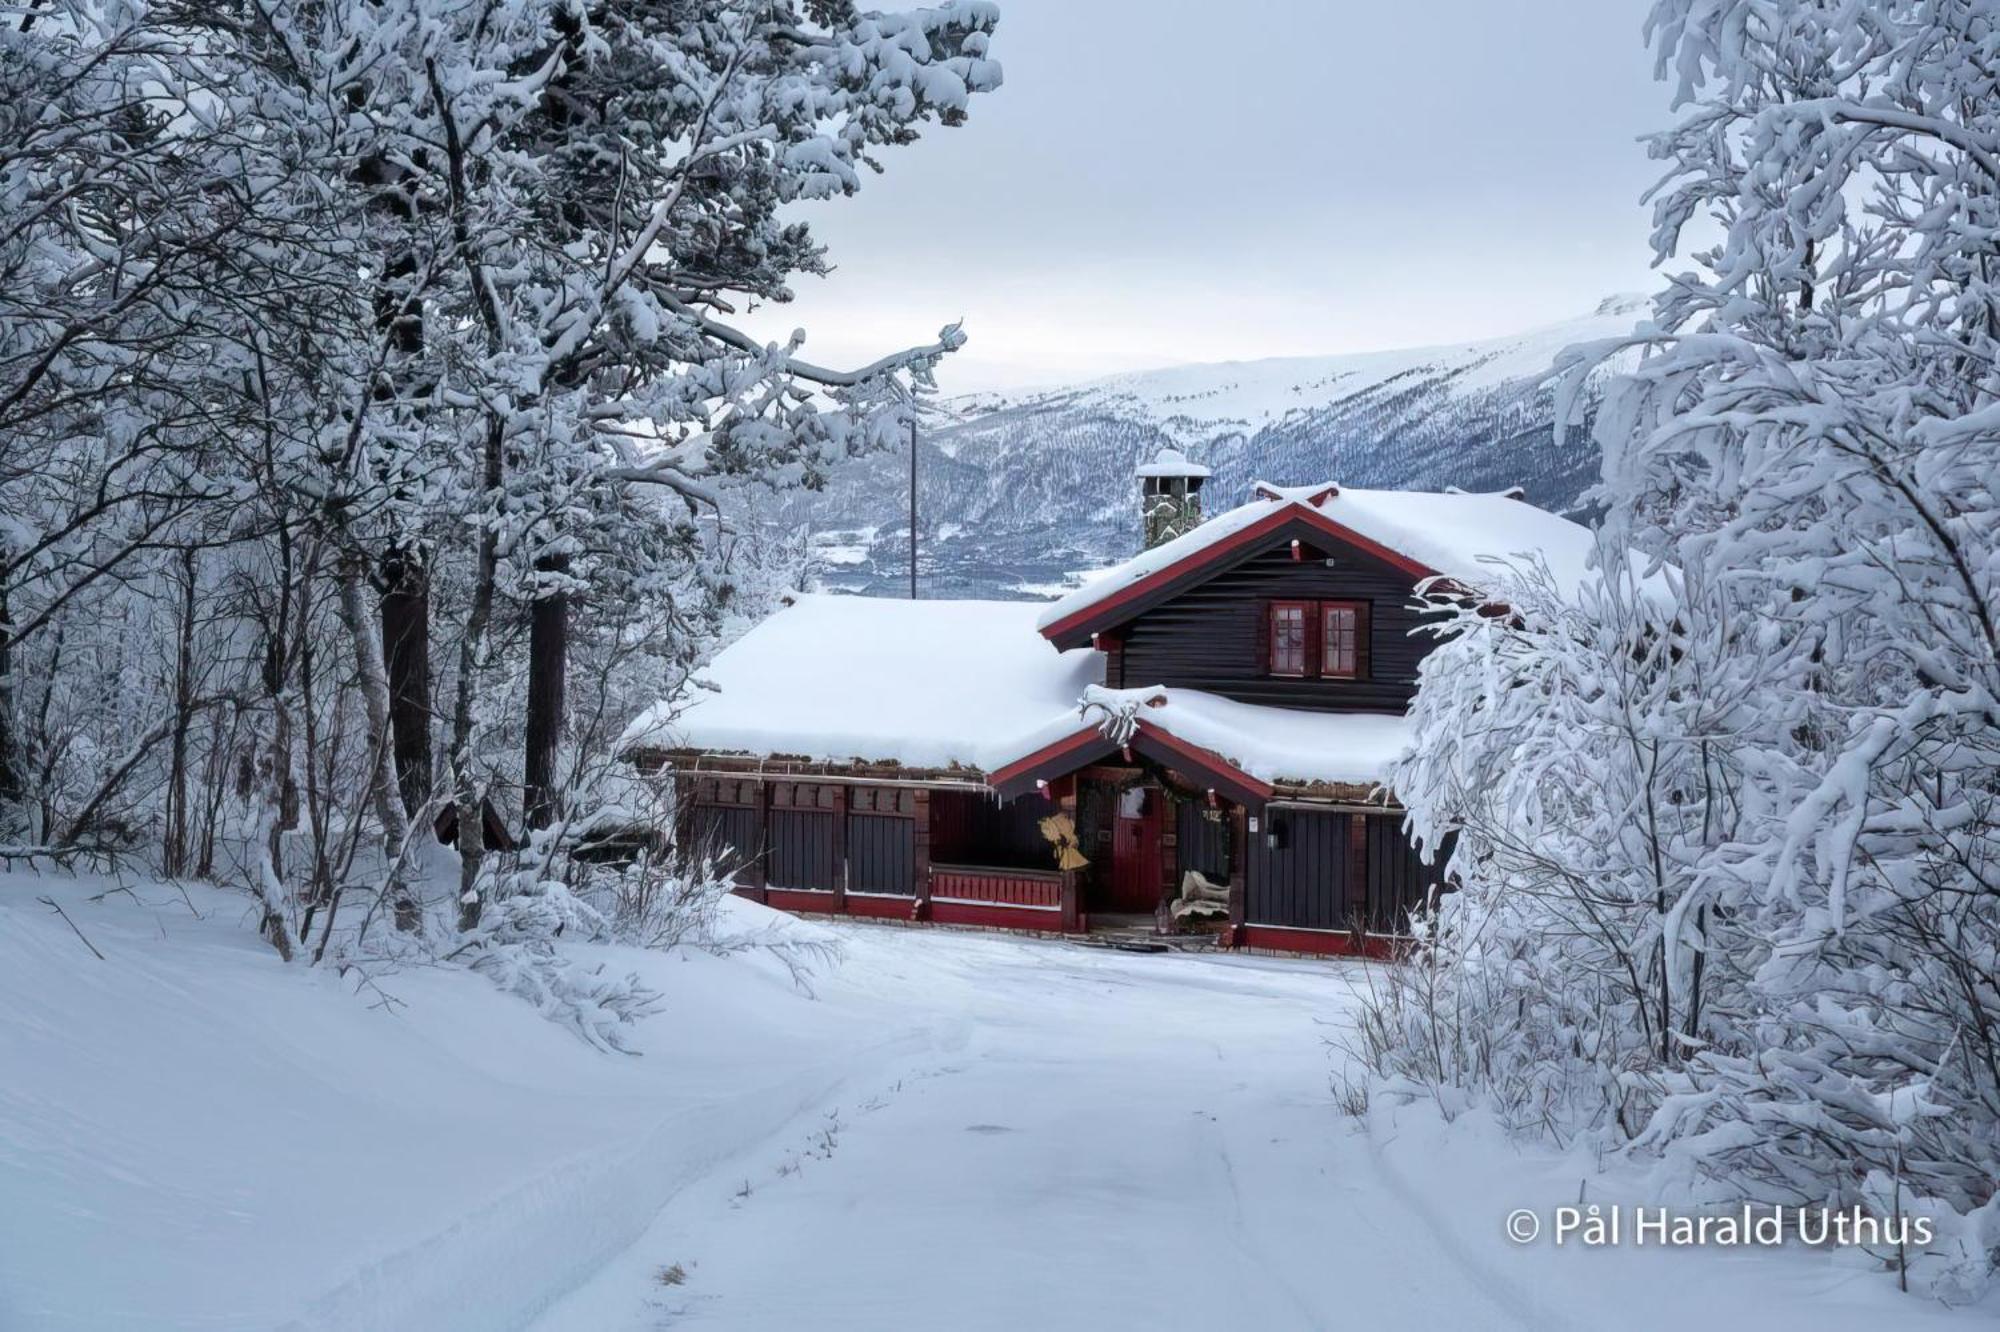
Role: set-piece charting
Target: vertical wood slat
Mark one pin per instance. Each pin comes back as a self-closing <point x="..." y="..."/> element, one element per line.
<point x="730" y="835"/>
<point x="1302" y="884"/>
<point x="881" y="854"/>
<point x="802" y="850"/>
<point x="920" y="851"/>
<point x="835" y="794"/>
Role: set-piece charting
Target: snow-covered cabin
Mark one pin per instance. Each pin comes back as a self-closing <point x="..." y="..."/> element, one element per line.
<point x="1195" y="739"/>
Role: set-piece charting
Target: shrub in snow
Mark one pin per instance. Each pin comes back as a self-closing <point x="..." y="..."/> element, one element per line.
<point x="518" y="947"/>
<point x="1728" y="823"/>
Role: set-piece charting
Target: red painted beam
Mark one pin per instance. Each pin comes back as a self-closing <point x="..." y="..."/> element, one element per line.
<point x="1324" y="943"/>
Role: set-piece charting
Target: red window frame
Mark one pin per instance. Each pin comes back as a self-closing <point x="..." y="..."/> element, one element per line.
<point x="1288" y="660"/>
<point x="1340" y="658"/>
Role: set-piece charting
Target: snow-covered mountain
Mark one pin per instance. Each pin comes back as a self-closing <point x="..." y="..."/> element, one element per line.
<point x="1019" y="491"/>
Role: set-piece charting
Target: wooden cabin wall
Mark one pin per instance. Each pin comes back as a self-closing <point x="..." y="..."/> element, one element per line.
<point x="1302" y="883"/>
<point x="1212" y="636"/>
<point x="881" y="854"/>
<point x="1334" y="871"/>
<point x="1398" y="880"/>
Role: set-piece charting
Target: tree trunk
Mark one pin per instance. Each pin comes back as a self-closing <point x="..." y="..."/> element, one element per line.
<point x="548" y="663"/>
<point x="10" y="762"/>
<point x="406" y="650"/>
<point x="174" y="855"/>
<point x="374" y="678"/>
<point x="471" y="646"/>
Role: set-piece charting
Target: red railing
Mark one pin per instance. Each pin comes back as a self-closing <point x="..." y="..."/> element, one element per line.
<point x="997" y="887"/>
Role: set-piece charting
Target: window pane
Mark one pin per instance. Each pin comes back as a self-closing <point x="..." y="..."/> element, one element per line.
<point x="1338" y="656"/>
<point x="1288" y="640"/>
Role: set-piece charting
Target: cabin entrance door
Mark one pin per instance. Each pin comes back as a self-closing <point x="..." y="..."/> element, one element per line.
<point x="1135" y="850"/>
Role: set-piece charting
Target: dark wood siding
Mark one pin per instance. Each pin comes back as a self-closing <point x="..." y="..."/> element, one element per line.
<point x="972" y="828"/>
<point x="1398" y="881"/>
<point x="1308" y="881"/>
<point x="1203" y="843"/>
<point x="1212" y="635"/>
<point x="726" y="834"/>
<point x="802" y="849"/>
<point x="1301" y="882"/>
<point x="881" y="854"/>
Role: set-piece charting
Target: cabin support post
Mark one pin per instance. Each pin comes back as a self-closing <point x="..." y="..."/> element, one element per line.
<point x="839" y="798"/>
<point x="760" y="864"/>
<point x="684" y="789"/>
<point x="1072" y="905"/>
<point x="1357" y="873"/>
<point x="1239" y="871"/>
<point x="920" y="860"/>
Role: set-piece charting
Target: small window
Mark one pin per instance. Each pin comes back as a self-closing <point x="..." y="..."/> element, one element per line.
<point x="1288" y="637"/>
<point x="1340" y="640"/>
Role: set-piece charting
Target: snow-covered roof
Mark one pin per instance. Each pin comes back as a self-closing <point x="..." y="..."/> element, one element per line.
<point x="937" y="684"/>
<point x="1468" y="537"/>
<point x="926" y="684"/>
<point x="1170" y="462"/>
<point x="1278" y="745"/>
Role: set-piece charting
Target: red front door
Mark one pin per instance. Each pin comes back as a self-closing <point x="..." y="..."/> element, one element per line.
<point x="1135" y="850"/>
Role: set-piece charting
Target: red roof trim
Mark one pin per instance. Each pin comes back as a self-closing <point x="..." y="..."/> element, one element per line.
<point x="1208" y="762"/>
<point x="1088" y="743"/>
<point x="1065" y="747"/>
<point x="1235" y="541"/>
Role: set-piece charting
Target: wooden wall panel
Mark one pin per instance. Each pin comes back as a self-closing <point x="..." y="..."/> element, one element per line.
<point x="802" y="850"/>
<point x="727" y="834"/>
<point x="1302" y="883"/>
<point x="881" y="854"/>
<point x="1398" y="881"/>
<point x="1211" y="636"/>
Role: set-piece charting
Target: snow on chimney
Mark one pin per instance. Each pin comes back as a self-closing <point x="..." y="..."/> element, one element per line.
<point x="1169" y="496"/>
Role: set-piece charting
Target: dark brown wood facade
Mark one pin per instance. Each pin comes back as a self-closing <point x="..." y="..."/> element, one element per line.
<point x="1302" y="876"/>
<point x="1214" y="635"/>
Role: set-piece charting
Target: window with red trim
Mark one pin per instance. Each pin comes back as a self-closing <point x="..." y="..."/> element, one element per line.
<point x="1288" y="637"/>
<point x="1340" y="626"/>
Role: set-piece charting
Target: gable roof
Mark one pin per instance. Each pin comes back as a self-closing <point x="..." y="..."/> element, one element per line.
<point x="1471" y="539"/>
<point x="936" y="685"/>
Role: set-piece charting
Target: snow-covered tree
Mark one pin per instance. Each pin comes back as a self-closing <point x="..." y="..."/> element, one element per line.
<point x="1729" y="824"/>
<point x="341" y="340"/>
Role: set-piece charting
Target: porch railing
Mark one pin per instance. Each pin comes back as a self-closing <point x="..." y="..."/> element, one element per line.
<point x="997" y="886"/>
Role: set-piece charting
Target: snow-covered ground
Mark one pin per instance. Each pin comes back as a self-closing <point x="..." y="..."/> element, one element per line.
<point x="950" y="1130"/>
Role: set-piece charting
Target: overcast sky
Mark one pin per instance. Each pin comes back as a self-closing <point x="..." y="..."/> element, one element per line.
<point x="1165" y="181"/>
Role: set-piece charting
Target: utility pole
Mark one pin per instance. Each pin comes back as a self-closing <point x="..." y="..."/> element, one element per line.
<point x="913" y="508"/>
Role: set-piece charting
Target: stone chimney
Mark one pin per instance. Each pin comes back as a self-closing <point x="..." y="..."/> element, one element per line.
<point x="1169" y="496"/>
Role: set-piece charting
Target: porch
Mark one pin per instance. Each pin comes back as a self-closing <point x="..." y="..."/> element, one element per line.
<point x="1121" y="849"/>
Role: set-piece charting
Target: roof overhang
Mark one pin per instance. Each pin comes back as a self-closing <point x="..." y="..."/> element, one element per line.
<point x="1290" y="518"/>
<point x="1089" y="744"/>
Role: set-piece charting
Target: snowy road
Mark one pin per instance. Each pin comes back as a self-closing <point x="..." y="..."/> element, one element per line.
<point x="952" y="1131"/>
<point x="1102" y="1140"/>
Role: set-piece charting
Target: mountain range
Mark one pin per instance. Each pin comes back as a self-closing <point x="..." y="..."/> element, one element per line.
<point x="1021" y="492"/>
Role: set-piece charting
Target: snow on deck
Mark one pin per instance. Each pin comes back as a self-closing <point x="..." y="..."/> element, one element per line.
<point x="1476" y="539"/>
<point x="938" y="684"/>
